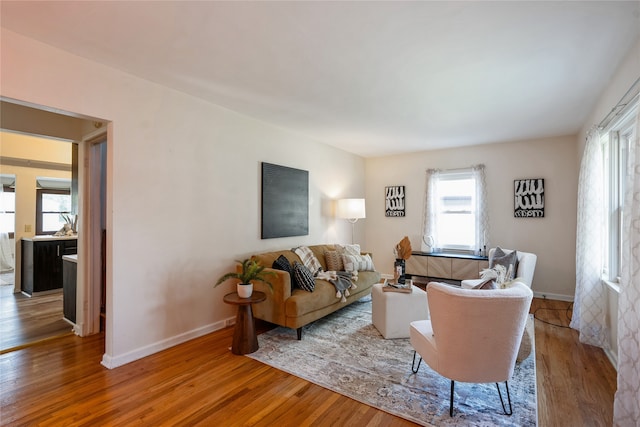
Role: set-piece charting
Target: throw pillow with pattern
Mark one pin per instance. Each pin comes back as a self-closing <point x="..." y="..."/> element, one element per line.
<point x="308" y="259"/>
<point x="334" y="261"/>
<point x="282" y="263"/>
<point x="304" y="278"/>
<point x="349" y="249"/>
<point x="506" y="260"/>
<point x="357" y="262"/>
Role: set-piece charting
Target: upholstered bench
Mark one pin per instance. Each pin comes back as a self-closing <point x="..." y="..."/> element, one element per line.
<point x="392" y="312"/>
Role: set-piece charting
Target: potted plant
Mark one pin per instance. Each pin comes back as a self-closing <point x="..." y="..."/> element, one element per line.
<point x="251" y="271"/>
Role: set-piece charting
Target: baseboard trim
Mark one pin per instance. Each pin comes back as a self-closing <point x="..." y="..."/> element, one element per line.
<point x="557" y="297"/>
<point x="112" y="362"/>
<point x="613" y="358"/>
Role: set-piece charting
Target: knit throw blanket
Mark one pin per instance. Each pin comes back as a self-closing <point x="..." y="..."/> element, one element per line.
<point x="342" y="280"/>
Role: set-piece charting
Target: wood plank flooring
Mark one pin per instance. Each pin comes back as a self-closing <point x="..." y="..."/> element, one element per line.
<point x="24" y="320"/>
<point x="201" y="383"/>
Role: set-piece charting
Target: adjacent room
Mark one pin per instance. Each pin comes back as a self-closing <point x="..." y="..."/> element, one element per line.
<point x="288" y="213"/>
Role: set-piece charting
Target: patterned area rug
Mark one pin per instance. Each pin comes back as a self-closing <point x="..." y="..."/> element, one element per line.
<point x="345" y="353"/>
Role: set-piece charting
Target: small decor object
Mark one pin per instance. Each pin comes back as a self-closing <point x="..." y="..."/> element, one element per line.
<point x="70" y="228"/>
<point x="394" y="201"/>
<point x="403" y="288"/>
<point x="403" y="249"/>
<point x="251" y="271"/>
<point x="427" y="244"/>
<point x="402" y="252"/>
<point x="528" y="198"/>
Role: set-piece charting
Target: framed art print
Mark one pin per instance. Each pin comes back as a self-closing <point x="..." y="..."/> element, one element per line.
<point x="394" y="201"/>
<point x="528" y="198"/>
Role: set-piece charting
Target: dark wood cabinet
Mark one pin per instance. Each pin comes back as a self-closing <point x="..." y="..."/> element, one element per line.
<point x="42" y="263"/>
<point x="69" y="291"/>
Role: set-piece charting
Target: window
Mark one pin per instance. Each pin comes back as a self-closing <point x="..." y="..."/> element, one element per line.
<point x="455" y="217"/>
<point x="8" y="210"/>
<point x="615" y="146"/>
<point x="50" y="204"/>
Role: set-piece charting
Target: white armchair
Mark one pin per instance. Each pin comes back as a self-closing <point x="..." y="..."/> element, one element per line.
<point x="473" y="335"/>
<point x="524" y="272"/>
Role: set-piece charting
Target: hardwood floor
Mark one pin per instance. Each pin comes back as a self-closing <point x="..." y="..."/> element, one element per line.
<point x="25" y="320"/>
<point x="201" y="383"/>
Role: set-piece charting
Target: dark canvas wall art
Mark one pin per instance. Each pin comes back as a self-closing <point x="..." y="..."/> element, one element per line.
<point x="285" y="201"/>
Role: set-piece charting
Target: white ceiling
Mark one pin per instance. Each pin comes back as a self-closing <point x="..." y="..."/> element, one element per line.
<point x="373" y="78"/>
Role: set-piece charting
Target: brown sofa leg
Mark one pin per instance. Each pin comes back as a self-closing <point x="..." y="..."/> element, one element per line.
<point x="299" y="331"/>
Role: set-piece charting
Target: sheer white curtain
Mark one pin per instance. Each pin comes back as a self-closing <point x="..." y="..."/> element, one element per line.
<point x="482" y="211"/>
<point x="626" y="407"/>
<point x="589" y="308"/>
<point x="430" y="208"/>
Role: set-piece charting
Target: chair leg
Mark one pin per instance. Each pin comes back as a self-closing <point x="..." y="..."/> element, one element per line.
<point x="415" y="368"/>
<point x="506" y="383"/>
<point x="451" y="400"/>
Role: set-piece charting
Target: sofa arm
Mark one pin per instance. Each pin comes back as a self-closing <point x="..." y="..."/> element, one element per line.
<point x="281" y="283"/>
<point x="273" y="308"/>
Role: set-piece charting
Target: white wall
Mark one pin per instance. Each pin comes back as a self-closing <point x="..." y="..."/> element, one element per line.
<point x="183" y="191"/>
<point x="552" y="238"/>
<point x="621" y="80"/>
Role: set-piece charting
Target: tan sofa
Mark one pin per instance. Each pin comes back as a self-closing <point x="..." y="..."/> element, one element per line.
<point x="297" y="308"/>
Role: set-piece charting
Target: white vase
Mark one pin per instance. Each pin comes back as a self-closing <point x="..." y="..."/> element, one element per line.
<point x="244" y="290"/>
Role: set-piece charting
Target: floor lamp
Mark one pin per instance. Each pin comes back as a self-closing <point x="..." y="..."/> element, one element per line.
<point x="351" y="210"/>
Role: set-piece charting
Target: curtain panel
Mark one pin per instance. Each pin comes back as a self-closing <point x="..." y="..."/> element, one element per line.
<point x="589" y="308"/>
<point x="626" y="406"/>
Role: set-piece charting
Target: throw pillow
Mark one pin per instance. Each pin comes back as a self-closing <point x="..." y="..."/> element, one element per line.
<point x="348" y="249"/>
<point x="506" y="260"/>
<point x="357" y="262"/>
<point x="334" y="261"/>
<point x="282" y="263"/>
<point x="304" y="278"/>
<point x="308" y="259"/>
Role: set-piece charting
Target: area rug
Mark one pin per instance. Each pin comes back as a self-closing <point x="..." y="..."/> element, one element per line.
<point x="345" y="353"/>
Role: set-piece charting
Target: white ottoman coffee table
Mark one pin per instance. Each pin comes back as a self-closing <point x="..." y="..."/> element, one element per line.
<point x="392" y="312"/>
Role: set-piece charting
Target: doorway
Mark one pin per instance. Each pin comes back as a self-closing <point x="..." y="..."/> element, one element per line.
<point x="90" y="135"/>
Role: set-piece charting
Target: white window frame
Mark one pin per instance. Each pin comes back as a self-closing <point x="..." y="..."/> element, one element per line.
<point x="615" y="142"/>
<point x="433" y="210"/>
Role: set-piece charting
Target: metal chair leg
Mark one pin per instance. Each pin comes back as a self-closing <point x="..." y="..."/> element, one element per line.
<point x="451" y="400"/>
<point x="414" y="368"/>
<point x="506" y="383"/>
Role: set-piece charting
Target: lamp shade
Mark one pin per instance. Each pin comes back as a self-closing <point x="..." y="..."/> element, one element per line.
<point x="351" y="208"/>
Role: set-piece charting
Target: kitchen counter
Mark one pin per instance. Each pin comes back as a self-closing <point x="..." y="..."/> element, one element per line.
<point x="45" y="238"/>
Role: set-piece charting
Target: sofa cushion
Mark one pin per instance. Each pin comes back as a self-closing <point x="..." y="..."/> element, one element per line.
<point x="333" y="259"/>
<point x="302" y="303"/>
<point x="304" y="277"/>
<point x="282" y="263"/>
<point x="509" y="260"/>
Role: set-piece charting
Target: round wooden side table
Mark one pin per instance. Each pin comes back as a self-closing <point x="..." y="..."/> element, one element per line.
<point x="245" y="340"/>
